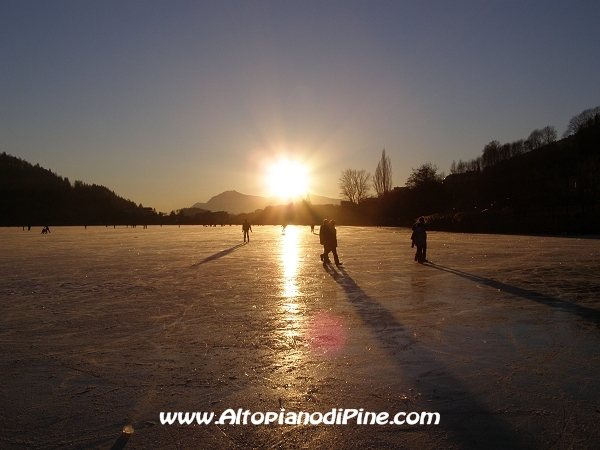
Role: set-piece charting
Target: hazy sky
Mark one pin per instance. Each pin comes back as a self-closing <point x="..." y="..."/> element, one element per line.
<point x="171" y="102"/>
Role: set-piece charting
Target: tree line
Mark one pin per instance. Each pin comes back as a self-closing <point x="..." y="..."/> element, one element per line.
<point x="539" y="184"/>
<point x="34" y="196"/>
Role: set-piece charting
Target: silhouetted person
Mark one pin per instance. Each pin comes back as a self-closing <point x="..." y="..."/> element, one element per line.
<point x="312" y="228"/>
<point x="329" y="241"/>
<point x="283" y="227"/>
<point x="333" y="243"/>
<point x="246" y="228"/>
<point x="419" y="239"/>
<point x="46" y="230"/>
<point x="323" y="240"/>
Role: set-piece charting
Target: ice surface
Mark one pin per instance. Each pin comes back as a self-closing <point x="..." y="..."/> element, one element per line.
<point x="104" y="328"/>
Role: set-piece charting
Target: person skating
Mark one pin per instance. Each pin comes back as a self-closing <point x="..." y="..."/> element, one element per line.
<point x="323" y="240"/>
<point x="334" y="243"/>
<point x="329" y="241"/>
<point x="419" y="239"/>
<point x="246" y="228"/>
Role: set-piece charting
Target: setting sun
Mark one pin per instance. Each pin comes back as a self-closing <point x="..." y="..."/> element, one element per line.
<point x="287" y="179"/>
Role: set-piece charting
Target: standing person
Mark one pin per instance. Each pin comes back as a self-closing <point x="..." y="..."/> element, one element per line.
<point x="328" y="236"/>
<point x="246" y="228"/>
<point x="324" y="239"/>
<point x="333" y="243"/>
<point x="419" y="238"/>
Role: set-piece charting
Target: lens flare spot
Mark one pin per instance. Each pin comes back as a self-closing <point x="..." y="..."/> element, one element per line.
<point x="326" y="333"/>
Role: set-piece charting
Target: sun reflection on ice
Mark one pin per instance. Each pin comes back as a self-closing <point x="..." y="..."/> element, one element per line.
<point x="290" y="307"/>
<point x="291" y="314"/>
<point x="289" y="256"/>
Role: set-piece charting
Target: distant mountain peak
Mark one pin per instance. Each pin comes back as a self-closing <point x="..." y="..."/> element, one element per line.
<point x="235" y="202"/>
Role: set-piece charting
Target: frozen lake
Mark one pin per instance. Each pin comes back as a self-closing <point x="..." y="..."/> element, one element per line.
<point x="103" y="328"/>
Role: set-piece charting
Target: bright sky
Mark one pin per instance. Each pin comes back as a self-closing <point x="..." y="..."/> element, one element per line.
<point x="171" y="102"/>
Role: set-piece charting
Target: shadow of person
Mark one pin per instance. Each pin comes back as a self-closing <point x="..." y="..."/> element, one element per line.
<point x="587" y="314"/>
<point x="121" y="442"/>
<point x="218" y="255"/>
<point x="123" y="439"/>
<point x="473" y="427"/>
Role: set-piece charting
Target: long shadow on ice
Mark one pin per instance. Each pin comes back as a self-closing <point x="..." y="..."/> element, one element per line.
<point x="218" y="255"/>
<point x="472" y="426"/>
<point x="589" y="314"/>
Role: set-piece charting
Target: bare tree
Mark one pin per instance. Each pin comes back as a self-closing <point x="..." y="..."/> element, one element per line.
<point x="363" y="185"/>
<point x="474" y="165"/>
<point x="491" y="154"/>
<point x="517" y="148"/>
<point x="534" y="140"/>
<point x="580" y="120"/>
<point x="539" y="138"/>
<point x="382" y="181"/>
<point x="347" y="185"/>
<point x="426" y="173"/>
<point x="354" y="185"/>
<point x="504" y="152"/>
<point x="453" y="169"/>
<point x="549" y="134"/>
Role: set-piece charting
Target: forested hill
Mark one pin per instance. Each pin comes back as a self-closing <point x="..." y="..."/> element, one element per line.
<point x="552" y="189"/>
<point x="33" y="196"/>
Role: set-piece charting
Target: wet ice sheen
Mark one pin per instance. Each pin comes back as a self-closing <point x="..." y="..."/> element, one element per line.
<point x="106" y="327"/>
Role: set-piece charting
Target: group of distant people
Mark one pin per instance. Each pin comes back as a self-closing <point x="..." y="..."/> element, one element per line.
<point x="328" y="239"/>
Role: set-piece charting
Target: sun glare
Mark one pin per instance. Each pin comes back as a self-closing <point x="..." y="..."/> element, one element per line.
<point x="288" y="179"/>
